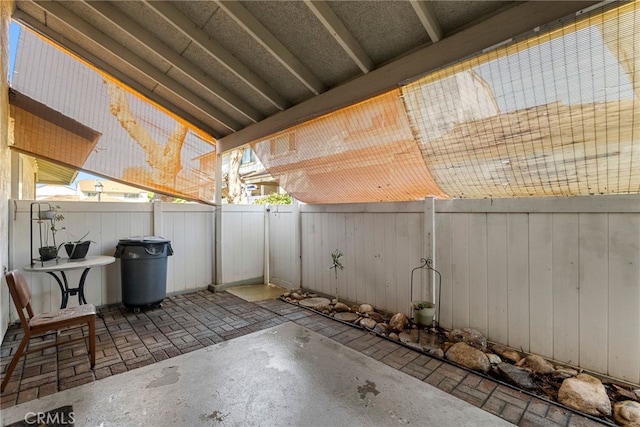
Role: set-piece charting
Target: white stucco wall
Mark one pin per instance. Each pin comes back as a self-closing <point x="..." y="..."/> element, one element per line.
<point x="5" y="159"/>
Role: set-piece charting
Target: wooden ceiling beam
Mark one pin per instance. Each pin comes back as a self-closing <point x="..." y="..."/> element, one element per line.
<point x="182" y="24"/>
<point x="262" y="35"/>
<point x="514" y="21"/>
<point x="428" y="19"/>
<point x="99" y="63"/>
<point x="338" y="31"/>
<point x="162" y="50"/>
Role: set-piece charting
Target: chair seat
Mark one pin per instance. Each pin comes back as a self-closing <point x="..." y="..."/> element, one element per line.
<point x="35" y="324"/>
<point x="45" y="319"/>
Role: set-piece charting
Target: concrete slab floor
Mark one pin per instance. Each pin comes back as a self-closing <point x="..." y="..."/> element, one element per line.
<point x="285" y="375"/>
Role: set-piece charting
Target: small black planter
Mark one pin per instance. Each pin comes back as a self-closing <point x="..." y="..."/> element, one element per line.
<point x="48" y="252"/>
<point x="77" y="250"/>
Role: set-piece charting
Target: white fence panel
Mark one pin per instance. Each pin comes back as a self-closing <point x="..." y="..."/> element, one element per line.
<point x="242" y="236"/>
<point x="284" y="257"/>
<point x="624" y="296"/>
<point x="192" y="235"/>
<point x="562" y="276"/>
<point x="559" y="277"/>
<point x="190" y="227"/>
<point x="497" y="279"/>
<point x="566" y="319"/>
<point x="381" y="244"/>
<point x="541" y="283"/>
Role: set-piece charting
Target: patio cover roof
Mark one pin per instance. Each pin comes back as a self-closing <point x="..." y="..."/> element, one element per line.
<point x="247" y="72"/>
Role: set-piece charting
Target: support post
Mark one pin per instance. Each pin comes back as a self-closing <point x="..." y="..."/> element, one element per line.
<point x="297" y="237"/>
<point x="217" y="228"/>
<point x="430" y="244"/>
<point x="157" y="218"/>
<point x="267" y="222"/>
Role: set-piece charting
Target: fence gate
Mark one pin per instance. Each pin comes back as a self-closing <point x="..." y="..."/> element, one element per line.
<point x="284" y="250"/>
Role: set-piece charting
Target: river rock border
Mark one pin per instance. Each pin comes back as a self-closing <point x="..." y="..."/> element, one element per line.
<point x="569" y="386"/>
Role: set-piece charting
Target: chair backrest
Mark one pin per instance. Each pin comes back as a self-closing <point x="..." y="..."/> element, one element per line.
<point x="21" y="295"/>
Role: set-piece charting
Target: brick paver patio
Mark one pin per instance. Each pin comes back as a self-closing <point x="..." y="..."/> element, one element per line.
<point x="192" y="321"/>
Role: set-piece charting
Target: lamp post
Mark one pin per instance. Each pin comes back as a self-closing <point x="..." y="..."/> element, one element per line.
<point x="99" y="187"/>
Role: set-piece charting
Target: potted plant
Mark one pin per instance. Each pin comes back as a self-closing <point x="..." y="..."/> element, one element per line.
<point x="77" y="249"/>
<point x="423" y="312"/>
<point x="47" y="214"/>
<point x="50" y="251"/>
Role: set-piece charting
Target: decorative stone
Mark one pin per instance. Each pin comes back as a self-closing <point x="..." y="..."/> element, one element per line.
<point x="409" y="335"/>
<point x="368" y="323"/>
<point x="427" y="339"/>
<point x="296" y="296"/>
<point x="375" y="316"/>
<point x="468" y="356"/>
<point x="405" y="337"/>
<point x="314" y="302"/>
<point x="516" y="376"/>
<point x="394" y="336"/>
<point x="434" y="351"/>
<point x="341" y="307"/>
<point x="494" y="359"/>
<point x="365" y="308"/>
<point x="469" y="336"/>
<point x="346" y="317"/>
<point x="562" y="373"/>
<point x="286" y="294"/>
<point x="538" y="364"/>
<point x="506" y="353"/>
<point x="586" y="394"/>
<point x="623" y="393"/>
<point x="382" y="329"/>
<point x="398" y="322"/>
<point x="414" y="345"/>
<point x="627" y="413"/>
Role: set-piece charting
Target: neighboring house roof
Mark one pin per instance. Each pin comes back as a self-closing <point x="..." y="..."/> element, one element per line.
<point x="52" y="173"/>
<point x="109" y="187"/>
<point x="43" y="132"/>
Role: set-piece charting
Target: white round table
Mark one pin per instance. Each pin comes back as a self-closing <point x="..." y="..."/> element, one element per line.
<point x="60" y="265"/>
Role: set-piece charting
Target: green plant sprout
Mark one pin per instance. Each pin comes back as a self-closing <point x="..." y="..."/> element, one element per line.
<point x="336" y="257"/>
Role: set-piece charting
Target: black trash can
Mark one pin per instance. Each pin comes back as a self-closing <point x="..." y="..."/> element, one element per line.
<point x="143" y="267"/>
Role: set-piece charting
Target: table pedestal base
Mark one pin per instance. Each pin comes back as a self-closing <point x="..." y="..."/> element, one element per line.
<point x="65" y="290"/>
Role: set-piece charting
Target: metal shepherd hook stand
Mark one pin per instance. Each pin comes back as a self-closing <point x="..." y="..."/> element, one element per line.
<point x="426" y="263"/>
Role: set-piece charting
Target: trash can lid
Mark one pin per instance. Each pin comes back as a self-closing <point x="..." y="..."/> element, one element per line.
<point x="141" y="240"/>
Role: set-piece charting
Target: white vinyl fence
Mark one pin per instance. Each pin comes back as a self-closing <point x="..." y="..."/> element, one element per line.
<point x="190" y="227"/>
<point x="284" y="245"/>
<point x="241" y="245"/>
<point x="559" y="277"/>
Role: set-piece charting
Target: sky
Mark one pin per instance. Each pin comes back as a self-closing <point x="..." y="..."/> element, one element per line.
<point x="14" y="34"/>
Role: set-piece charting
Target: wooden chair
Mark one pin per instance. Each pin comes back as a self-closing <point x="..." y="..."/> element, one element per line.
<point x="41" y="324"/>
